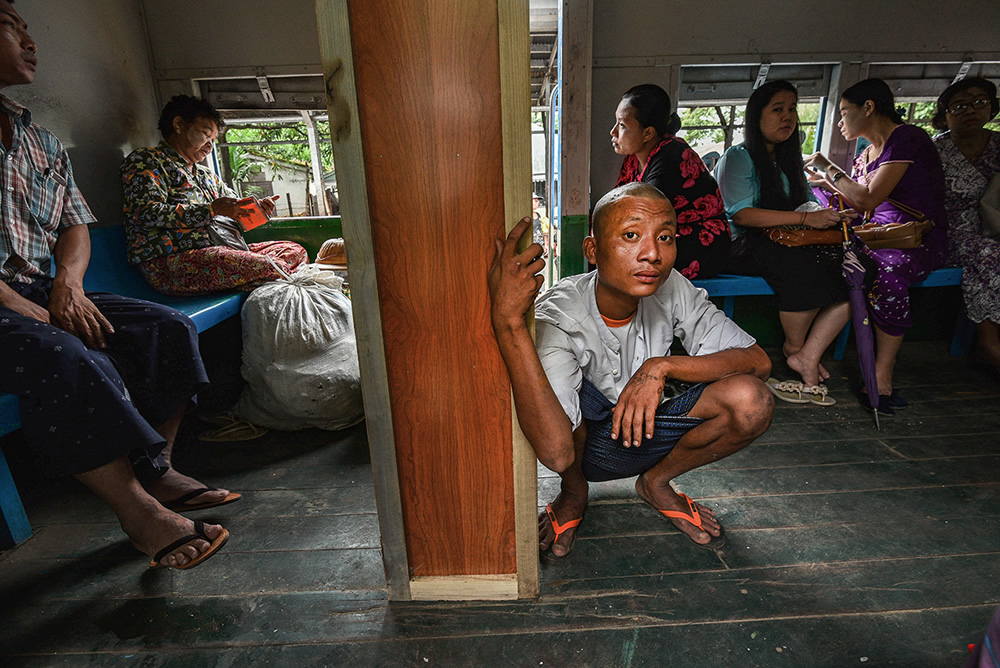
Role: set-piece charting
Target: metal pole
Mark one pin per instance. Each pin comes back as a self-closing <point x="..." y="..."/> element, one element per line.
<point x="553" y="175"/>
<point x="317" y="164"/>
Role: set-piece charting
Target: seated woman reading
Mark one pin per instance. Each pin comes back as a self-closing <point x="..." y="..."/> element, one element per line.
<point x="644" y="133"/>
<point x="170" y="200"/>
<point x="898" y="174"/>
<point x="971" y="158"/>
<point x="763" y="185"/>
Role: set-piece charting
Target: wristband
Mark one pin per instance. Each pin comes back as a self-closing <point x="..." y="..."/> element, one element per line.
<point x="836" y="176"/>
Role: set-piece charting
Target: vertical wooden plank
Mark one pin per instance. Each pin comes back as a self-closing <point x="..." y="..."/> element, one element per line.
<point x="345" y="130"/>
<point x="515" y="94"/>
<point x="577" y="60"/>
<point x="427" y="77"/>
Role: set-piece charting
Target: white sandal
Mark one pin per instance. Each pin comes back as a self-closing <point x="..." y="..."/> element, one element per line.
<point x="787" y="390"/>
<point x="817" y="394"/>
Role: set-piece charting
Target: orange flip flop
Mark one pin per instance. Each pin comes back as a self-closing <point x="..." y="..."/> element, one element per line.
<point x="560" y="529"/>
<point x="199" y="527"/>
<point x="181" y="505"/>
<point x="694" y="517"/>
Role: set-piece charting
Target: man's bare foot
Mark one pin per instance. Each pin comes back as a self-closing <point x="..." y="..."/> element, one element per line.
<point x="566" y="509"/>
<point x="153" y="528"/>
<point x="173" y="485"/>
<point x="667" y="499"/>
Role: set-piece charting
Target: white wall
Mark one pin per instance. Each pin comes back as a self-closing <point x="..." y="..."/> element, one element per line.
<point x="291" y="182"/>
<point x="637" y="41"/>
<point x="192" y="39"/>
<point x="93" y="89"/>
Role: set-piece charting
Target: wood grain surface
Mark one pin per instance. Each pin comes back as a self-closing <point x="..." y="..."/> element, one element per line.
<point x="429" y="104"/>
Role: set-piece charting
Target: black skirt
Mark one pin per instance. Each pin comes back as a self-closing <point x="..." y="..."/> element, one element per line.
<point x="803" y="277"/>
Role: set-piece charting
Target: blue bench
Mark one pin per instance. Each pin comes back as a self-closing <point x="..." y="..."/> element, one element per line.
<point x="731" y="286"/>
<point x="108" y="272"/>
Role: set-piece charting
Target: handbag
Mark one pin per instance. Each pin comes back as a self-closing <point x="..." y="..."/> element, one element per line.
<point x="226" y="231"/>
<point x="989" y="208"/>
<point x="895" y="235"/>
<point x="803" y="235"/>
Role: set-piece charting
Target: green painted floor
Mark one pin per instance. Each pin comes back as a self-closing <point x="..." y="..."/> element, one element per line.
<point x="847" y="547"/>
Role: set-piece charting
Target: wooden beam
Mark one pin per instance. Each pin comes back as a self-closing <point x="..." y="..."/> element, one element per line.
<point x="345" y="134"/>
<point x="468" y="587"/>
<point x="575" y="100"/>
<point x="430" y="121"/>
<point x="515" y="95"/>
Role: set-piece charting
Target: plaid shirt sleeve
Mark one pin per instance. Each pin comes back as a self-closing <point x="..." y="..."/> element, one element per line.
<point x="40" y="197"/>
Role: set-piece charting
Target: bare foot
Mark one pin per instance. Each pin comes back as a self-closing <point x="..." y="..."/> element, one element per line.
<point x="809" y="370"/>
<point x="668" y="499"/>
<point x="823" y="373"/>
<point x="173" y="485"/>
<point x="159" y="527"/>
<point x="566" y="508"/>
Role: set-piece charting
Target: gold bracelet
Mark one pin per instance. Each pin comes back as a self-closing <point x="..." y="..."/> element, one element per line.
<point x="802" y="220"/>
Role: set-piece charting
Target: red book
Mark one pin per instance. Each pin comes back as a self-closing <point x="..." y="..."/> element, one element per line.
<point x="254" y="216"/>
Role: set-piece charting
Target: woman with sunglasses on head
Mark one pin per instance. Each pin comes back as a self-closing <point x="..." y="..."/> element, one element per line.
<point x="971" y="157"/>
<point x="895" y="178"/>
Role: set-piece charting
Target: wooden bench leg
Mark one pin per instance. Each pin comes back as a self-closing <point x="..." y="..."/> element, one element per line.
<point x="729" y="306"/>
<point x="14" y="526"/>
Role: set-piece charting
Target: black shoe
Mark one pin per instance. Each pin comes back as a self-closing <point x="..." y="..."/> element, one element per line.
<point x="894" y="401"/>
<point x="884" y="408"/>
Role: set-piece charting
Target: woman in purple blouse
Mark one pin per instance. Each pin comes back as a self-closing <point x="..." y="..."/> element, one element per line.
<point x="901" y="164"/>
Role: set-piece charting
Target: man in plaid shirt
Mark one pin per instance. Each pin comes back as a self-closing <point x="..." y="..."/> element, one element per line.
<point x="102" y="380"/>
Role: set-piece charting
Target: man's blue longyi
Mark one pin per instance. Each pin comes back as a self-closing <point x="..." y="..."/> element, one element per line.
<point x="607" y="459"/>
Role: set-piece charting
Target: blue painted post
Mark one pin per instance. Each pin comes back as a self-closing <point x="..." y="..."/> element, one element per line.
<point x="14" y="526"/>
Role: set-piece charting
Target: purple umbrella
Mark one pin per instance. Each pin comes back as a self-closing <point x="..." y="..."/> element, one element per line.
<point x="854" y="274"/>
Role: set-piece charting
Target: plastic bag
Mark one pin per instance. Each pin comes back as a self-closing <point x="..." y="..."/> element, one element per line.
<point x="300" y="356"/>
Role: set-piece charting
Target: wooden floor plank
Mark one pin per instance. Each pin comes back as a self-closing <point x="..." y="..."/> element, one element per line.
<point x="844" y="543"/>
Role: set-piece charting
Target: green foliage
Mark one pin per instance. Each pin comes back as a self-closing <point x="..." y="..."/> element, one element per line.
<point x="695" y="122"/>
<point x="702" y="125"/>
<point x="297" y="153"/>
<point x="243" y="167"/>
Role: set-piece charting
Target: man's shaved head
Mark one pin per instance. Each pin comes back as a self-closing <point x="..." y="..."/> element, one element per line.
<point x="606" y="204"/>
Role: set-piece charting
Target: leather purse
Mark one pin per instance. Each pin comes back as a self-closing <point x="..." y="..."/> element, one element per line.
<point x="896" y="235"/>
<point x="803" y="235"/>
<point x="226" y="231"/>
<point x="989" y="208"/>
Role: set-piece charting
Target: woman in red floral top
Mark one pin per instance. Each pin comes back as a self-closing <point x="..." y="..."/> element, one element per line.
<point x="644" y="133"/>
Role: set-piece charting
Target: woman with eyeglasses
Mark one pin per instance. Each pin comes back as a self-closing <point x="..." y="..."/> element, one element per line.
<point x="898" y="174"/>
<point x="971" y="157"/>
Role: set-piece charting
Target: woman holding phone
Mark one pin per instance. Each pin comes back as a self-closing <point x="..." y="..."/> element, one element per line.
<point x="170" y="201"/>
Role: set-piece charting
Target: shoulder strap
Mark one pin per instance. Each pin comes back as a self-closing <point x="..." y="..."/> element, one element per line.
<point x="907" y="209"/>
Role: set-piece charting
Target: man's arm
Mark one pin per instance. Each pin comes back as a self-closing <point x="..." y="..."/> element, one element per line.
<point x="514" y="283"/>
<point x="633" y="415"/>
<point x="69" y="308"/>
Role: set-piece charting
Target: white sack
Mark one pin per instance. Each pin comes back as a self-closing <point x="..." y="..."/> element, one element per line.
<point x="300" y="356"/>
